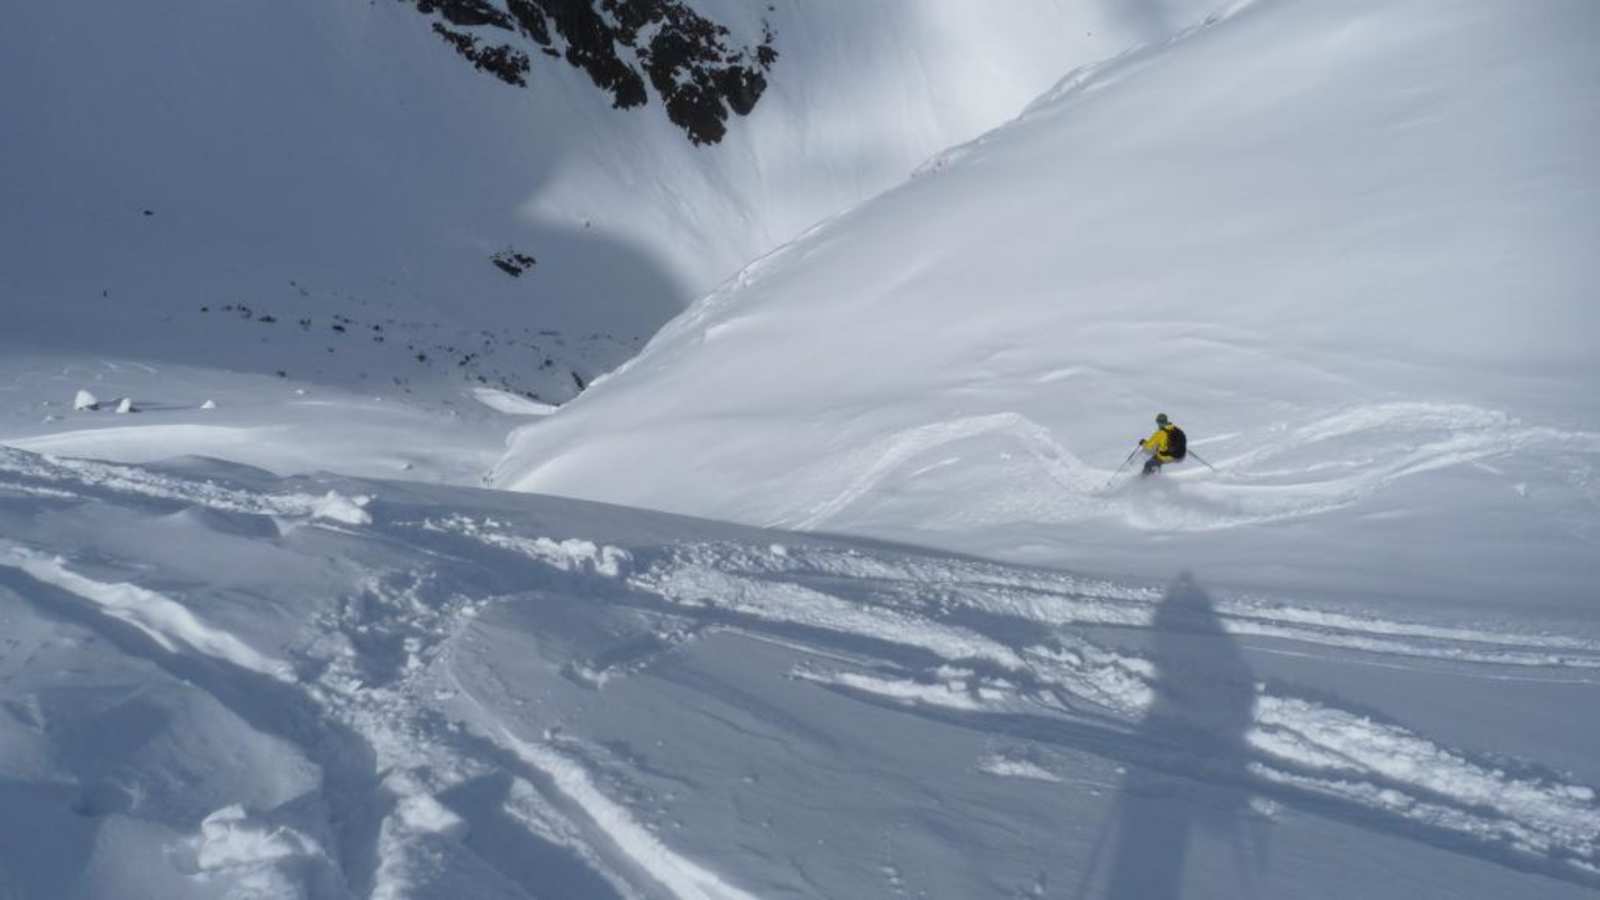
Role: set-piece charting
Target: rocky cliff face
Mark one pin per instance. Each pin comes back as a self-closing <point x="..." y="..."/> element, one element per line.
<point x="699" y="73"/>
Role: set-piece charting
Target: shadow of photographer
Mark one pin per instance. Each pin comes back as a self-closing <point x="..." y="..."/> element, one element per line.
<point x="1200" y="715"/>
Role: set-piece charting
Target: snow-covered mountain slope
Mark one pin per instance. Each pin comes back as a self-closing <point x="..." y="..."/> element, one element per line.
<point x="1347" y="246"/>
<point x="330" y="190"/>
<point x="215" y="683"/>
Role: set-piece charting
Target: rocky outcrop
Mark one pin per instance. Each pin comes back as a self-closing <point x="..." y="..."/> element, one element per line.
<point x="513" y="263"/>
<point x="626" y="47"/>
<point x="502" y="61"/>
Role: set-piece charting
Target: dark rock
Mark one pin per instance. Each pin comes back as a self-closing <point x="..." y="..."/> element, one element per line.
<point x="466" y="12"/>
<point x="513" y="263"/>
<point x="687" y="59"/>
<point x="502" y="61"/>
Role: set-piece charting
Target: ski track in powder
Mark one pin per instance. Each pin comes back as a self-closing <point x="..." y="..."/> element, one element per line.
<point x="998" y="649"/>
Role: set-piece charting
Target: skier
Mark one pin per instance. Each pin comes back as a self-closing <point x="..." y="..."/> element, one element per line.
<point x="1168" y="444"/>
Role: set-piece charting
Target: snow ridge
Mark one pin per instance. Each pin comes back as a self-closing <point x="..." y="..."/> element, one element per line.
<point x="169" y="623"/>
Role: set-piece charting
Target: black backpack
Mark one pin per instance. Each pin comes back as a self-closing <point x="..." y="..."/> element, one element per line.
<point x="1177" y="442"/>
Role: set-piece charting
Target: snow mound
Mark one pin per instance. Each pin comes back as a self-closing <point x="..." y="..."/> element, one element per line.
<point x="336" y="507"/>
<point x="84" y="400"/>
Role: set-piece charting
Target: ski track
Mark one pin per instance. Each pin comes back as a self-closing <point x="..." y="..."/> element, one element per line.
<point x="1339" y="460"/>
<point x="1314" y="748"/>
<point x="985" y="645"/>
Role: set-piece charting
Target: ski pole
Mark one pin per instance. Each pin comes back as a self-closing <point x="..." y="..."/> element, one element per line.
<point x="1202" y="461"/>
<point x="1124" y="465"/>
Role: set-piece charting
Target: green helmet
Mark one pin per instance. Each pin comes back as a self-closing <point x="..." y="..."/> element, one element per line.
<point x="1161" y="418"/>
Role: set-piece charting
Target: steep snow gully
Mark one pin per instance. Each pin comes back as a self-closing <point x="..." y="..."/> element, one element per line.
<point x="465" y="693"/>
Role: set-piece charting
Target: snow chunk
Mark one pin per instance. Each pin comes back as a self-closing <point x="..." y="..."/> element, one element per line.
<point x="125" y="406"/>
<point x="574" y="555"/>
<point x="422" y="813"/>
<point x="1008" y="767"/>
<point x="209" y="404"/>
<point x="948" y="695"/>
<point x="570" y="555"/>
<point x="336" y="507"/>
<point x="228" y="839"/>
<point x="85" y="401"/>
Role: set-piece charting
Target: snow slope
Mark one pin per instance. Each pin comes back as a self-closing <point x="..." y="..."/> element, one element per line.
<point x="1347" y="246"/>
<point x="323" y="189"/>
<point x="1358" y="661"/>
<point x="218" y="683"/>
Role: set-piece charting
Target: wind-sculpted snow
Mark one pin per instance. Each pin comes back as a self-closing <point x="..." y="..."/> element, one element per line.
<point x="34" y="473"/>
<point x="476" y="695"/>
<point x="165" y="622"/>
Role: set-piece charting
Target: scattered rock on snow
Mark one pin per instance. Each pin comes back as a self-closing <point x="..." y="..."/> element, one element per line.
<point x="85" y="401"/>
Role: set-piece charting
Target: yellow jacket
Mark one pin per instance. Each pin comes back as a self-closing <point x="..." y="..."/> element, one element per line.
<point x="1157" y="443"/>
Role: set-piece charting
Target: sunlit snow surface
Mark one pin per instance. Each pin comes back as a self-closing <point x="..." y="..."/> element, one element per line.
<point x="1360" y="660"/>
<point x="1346" y="246"/>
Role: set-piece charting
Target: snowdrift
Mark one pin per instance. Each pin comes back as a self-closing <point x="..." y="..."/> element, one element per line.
<point x="1346" y="246"/>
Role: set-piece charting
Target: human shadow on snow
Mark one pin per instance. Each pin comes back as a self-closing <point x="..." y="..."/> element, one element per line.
<point x="1204" y="702"/>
